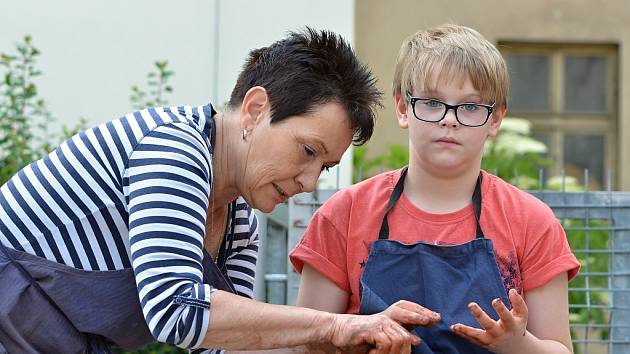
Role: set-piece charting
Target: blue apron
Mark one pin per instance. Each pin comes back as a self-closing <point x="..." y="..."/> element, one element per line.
<point x="48" y="307"/>
<point x="444" y="279"/>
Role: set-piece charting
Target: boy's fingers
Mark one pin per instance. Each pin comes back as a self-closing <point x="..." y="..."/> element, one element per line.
<point x="504" y="314"/>
<point x="519" y="307"/>
<point x="475" y="335"/>
<point x="484" y="320"/>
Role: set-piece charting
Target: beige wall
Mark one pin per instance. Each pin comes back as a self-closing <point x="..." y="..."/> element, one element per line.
<point x="382" y="25"/>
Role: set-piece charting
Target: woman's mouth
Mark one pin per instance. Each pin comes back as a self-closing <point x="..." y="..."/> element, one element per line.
<point x="280" y="191"/>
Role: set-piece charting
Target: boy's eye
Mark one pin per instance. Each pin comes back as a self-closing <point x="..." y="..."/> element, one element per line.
<point x="469" y="107"/>
<point x="432" y="104"/>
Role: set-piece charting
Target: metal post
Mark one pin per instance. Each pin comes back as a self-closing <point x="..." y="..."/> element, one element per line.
<point x="259" y="282"/>
<point x="620" y="317"/>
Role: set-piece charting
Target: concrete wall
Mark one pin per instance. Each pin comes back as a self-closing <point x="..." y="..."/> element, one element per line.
<point x="382" y="25"/>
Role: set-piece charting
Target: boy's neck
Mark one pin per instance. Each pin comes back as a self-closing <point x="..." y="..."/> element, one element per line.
<point x="440" y="194"/>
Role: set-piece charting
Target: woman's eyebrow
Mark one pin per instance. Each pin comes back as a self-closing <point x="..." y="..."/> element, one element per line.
<point x="322" y="144"/>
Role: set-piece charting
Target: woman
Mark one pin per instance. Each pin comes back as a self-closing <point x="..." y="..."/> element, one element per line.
<point x="142" y="228"/>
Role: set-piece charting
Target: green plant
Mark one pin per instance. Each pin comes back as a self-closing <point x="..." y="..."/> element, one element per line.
<point x="364" y="167"/>
<point x="24" y="118"/>
<point x="155" y="348"/>
<point x="514" y="155"/>
<point x="157" y="82"/>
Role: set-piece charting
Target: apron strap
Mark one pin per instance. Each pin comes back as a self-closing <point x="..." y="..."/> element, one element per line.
<point x="215" y="274"/>
<point x="396" y="193"/>
<point x="398" y="190"/>
<point x="228" y="240"/>
<point x="476" y="198"/>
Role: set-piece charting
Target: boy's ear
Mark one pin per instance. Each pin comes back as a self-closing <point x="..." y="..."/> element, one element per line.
<point x="255" y="106"/>
<point x="400" y="106"/>
<point x="495" y="120"/>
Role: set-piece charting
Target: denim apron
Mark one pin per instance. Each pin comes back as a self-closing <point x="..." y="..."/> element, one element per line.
<point x="48" y="307"/>
<point x="441" y="278"/>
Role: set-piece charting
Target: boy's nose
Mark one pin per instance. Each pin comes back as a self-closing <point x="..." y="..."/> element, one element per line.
<point x="450" y="119"/>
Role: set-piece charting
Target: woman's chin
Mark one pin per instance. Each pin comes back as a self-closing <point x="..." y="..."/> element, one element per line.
<point x="266" y="206"/>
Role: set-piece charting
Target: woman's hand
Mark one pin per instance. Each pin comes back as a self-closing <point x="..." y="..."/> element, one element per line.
<point x="383" y="332"/>
<point x="406" y="313"/>
<point x="497" y="336"/>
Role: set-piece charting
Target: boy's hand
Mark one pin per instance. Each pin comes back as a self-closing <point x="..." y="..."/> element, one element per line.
<point x="497" y="336"/>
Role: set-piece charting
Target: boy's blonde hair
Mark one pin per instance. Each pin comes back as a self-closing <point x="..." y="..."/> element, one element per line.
<point x="453" y="50"/>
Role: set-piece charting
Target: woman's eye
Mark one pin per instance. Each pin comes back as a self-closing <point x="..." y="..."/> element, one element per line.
<point x="309" y="151"/>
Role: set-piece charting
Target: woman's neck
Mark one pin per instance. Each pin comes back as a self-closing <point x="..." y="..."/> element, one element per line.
<point x="225" y="161"/>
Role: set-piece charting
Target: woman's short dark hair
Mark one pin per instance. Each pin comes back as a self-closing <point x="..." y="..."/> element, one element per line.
<point x="307" y="69"/>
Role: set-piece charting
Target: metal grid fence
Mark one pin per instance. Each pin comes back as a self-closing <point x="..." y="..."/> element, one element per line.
<point x="598" y="229"/>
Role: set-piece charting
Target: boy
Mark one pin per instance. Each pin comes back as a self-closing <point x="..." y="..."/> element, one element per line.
<point x="442" y="232"/>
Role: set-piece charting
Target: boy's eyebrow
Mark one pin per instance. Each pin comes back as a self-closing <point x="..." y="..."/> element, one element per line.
<point x="430" y="92"/>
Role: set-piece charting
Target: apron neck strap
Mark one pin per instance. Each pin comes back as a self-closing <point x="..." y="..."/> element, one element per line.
<point x="228" y="239"/>
<point x="398" y="190"/>
<point x="476" y="199"/>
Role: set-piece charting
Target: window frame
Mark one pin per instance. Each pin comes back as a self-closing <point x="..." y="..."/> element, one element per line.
<point x="556" y="122"/>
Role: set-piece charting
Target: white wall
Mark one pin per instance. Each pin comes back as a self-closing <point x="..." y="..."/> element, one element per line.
<point x="94" y="51"/>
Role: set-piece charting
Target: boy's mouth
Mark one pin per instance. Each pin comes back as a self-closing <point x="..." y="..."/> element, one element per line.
<point x="447" y="140"/>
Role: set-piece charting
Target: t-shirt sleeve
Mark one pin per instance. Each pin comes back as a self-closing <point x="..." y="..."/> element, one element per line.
<point x="168" y="187"/>
<point x="324" y="243"/>
<point x="546" y="253"/>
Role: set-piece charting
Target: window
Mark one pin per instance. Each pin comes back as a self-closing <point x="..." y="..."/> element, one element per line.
<point x="569" y="93"/>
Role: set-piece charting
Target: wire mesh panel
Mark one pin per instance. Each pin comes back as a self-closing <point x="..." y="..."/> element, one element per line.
<point x="598" y="229"/>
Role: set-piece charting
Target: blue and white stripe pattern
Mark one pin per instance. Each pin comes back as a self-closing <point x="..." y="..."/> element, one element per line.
<point x="133" y="192"/>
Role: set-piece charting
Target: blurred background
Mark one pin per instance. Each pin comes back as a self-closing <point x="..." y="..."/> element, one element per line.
<point x="70" y="64"/>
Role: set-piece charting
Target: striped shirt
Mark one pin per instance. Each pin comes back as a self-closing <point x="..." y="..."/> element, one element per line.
<point x="133" y="193"/>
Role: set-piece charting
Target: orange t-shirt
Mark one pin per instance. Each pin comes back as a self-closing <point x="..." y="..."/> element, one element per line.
<point x="530" y="245"/>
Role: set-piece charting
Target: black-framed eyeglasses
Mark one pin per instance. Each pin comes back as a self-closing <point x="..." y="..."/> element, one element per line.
<point x="467" y="114"/>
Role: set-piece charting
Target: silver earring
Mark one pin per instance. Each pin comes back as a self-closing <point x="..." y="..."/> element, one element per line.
<point x="244" y="134"/>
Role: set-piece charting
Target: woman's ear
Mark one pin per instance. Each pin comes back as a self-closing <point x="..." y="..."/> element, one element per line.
<point x="495" y="120"/>
<point x="400" y="106"/>
<point x="255" y="106"/>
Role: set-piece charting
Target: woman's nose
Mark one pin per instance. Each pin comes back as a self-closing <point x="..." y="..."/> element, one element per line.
<point x="307" y="180"/>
